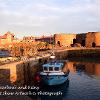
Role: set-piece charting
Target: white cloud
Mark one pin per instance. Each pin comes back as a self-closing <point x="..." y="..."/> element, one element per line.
<point x="41" y="16"/>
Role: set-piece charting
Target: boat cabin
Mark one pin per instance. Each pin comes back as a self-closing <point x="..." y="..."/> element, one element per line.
<point x="52" y="67"/>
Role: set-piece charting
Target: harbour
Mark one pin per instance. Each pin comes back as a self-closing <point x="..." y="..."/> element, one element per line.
<point x="49" y="50"/>
<point x="83" y="82"/>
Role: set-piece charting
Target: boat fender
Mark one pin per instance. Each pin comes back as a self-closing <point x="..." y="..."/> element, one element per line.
<point x="37" y="78"/>
<point x="48" y="75"/>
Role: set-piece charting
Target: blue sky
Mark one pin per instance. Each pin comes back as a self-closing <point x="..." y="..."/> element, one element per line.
<point x="46" y="17"/>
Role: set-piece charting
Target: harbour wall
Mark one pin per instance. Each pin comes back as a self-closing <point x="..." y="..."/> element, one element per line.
<point x="22" y="72"/>
<point x="78" y="52"/>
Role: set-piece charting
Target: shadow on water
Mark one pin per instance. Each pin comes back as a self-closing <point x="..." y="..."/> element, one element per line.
<point x="57" y="92"/>
<point x="82" y="59"/>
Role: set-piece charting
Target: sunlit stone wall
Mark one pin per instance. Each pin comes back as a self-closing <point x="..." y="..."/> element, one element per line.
<point x="64" y="39"/>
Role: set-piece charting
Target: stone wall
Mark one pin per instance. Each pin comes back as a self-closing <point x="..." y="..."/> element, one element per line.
<point x="92" y="37"/>
<point x="64" y="39"/>
<point x="19" y="71"/>
<point x="69" y="39"/>
<point x="97" y="39"/>
<point x="22" y="72"/>
<point x="80" y="38"/>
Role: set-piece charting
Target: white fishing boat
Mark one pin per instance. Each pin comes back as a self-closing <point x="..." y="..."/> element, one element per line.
<point x="52" y="73"/>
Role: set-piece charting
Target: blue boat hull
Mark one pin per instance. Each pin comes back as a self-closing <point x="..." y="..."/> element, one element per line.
<point x="54" y="79"/>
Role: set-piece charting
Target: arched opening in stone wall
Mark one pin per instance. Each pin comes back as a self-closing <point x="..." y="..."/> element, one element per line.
<point x="74" y="41"/>
<point x="58" y="43"/>
<point x="93" y="44"/>
<point x="83" y="43"/>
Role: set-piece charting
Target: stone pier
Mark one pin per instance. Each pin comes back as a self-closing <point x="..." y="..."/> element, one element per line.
<point x="19" y="71"/>
<point x="78" y="52"/>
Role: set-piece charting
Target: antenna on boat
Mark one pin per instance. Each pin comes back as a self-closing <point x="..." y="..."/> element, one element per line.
<point x="52" y="51"/>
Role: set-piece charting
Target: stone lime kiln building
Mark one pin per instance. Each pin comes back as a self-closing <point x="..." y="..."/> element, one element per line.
<point x="93" y="39"/>
<point x="90" y="39"/>
<point x="64" y="39"/>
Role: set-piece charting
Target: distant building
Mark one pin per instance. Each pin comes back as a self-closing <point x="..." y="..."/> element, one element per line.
<point x="90" y="39"/>
<point x="29" y="38"/>
<point x="93" y="39"/>
<point x="8" y="39"/>
<point x="48" y="39"/>
<point x="63" y="39"/>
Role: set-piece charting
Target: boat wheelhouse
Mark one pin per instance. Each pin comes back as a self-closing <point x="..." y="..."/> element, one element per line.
<point x="52" y="73"/>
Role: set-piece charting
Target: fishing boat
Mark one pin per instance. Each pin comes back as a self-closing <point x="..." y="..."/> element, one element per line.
<point x="52" y="72"/>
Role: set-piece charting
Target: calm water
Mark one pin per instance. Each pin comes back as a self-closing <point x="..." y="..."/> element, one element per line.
<point x="83" y="83"/>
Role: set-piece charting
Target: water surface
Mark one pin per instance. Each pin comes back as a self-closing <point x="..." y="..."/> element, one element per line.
<point x="83" y="82"/>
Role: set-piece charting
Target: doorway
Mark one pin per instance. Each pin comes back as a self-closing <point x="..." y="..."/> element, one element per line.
<point x="93" y="44"/>
<point x="83" y="43"/>
<point x="74" y="41"/>
<point x="58" y="43"/>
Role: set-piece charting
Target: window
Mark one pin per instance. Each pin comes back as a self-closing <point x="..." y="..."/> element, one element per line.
<point x="45" y="69"/>
<point x="56" y="69"/>
<point x="50" y="68"/>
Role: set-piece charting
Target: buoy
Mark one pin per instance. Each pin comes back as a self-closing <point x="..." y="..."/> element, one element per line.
<point x="37" y="78"/>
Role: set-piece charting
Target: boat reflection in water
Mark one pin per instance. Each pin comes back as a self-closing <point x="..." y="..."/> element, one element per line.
<point x="52" y="92"/>
<point x="58" y="91"/>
